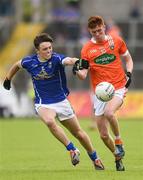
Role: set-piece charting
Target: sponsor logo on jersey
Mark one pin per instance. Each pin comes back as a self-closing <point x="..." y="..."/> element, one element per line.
<point x="105" y="59"/>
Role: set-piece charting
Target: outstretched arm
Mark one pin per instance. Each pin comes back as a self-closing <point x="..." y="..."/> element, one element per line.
<point x="69" y="61"/>
<point x="13" y="70"/>
<point x="80" y="66"/>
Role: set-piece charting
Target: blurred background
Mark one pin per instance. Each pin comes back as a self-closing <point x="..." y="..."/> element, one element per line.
<point x="66" y="21"/>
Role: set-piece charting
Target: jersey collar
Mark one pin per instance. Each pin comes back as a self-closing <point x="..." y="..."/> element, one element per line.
<point x="94" y="41"/>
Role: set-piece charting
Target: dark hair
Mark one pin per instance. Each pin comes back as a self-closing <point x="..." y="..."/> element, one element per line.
<point x="43" y="37"/>
<point x="94" y="21"/>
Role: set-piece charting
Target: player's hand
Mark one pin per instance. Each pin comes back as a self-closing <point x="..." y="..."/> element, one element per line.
<point x="7" y="84"/>
<point x="79" y="65"/>
<point x="129" y="79"/>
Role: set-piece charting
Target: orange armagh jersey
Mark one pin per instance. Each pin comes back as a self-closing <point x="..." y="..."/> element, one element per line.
<point x="105" y="62"/>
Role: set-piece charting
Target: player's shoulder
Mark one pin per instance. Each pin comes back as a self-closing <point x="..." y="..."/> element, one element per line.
<point x="32" y="57"/>
<point x="58" y="56"/>
<point x="117" y="38"/>
<point x="55" y="55"/>
<point x="28" y="60"/>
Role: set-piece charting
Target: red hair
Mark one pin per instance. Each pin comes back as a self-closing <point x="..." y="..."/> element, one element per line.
<point x="94" y="21"/>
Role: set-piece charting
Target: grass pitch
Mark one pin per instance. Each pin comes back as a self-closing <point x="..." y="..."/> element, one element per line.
<point x="29" y="152"/>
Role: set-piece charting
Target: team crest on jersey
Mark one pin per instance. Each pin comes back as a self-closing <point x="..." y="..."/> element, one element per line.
<point x="50" y="65"/>
<point x="43" y="75"/>
<point x="112" y="47"/>
<point x="105" y="59"/>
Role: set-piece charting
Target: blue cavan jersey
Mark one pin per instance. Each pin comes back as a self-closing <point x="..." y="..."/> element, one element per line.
<point x="49" y="79"/>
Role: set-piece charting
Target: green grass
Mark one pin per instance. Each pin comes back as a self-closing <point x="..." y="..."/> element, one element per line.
<point x="29" y="152"/>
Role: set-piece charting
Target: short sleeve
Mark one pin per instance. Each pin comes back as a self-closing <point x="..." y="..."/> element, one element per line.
<point x="122" y="46"/>
<point x="25" y="62"/>
<point x="60" y="57"/>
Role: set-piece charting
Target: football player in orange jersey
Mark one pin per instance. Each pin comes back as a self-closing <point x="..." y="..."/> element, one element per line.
<point x="103" y="54"/>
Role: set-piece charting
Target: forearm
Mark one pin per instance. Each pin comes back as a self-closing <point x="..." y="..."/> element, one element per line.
<point x="69" y="61"/>
<point x="129" y="66"/>
<point x="82" y="74"/>
<point x="13" y="70"/>
<point x="129" y="63"/>
<point x="10" y="74"/>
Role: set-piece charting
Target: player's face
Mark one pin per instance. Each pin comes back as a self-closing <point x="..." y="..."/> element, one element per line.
<point x="98" y="33"/>
<point x="45" y="50"/>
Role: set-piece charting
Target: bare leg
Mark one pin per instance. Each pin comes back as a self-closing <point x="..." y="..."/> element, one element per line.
<point x="73" y="126"/>
<point x="102" y="125"/>
<point x="110" y="110"/>
<point x="48" y="117"/>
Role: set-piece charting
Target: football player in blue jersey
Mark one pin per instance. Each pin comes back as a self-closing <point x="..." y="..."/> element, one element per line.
<point x="49" y="82"/>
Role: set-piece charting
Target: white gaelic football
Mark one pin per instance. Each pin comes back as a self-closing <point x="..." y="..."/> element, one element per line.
<point x="105" y="91"/>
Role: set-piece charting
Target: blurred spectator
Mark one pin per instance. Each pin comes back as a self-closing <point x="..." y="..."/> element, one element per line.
<point x="112" y="28"/>
<point x="135" y="9"/>
<point x="72" y="15"/>
<point x="65" y="22"/>
<point x="6" y="7"/>
<point x="74" y="3"/>
<point x="57" y="26"/>
<point x="84" y="35"/>
<point x="36" y="10"/>
<point x="7" y="20"/>
<point x="32" y="10"/>
<point x="27" y="10"/>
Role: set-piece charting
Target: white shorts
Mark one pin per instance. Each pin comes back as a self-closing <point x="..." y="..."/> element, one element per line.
<point x="99" y="106"/>
<point x="63" y="109"/>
